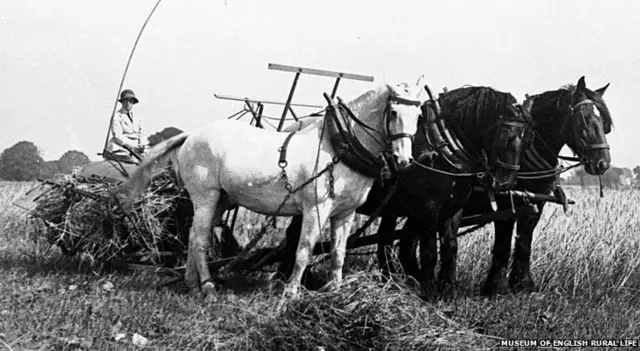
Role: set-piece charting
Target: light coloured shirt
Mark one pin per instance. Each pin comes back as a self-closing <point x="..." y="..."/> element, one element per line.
<point x="126" y="128"/>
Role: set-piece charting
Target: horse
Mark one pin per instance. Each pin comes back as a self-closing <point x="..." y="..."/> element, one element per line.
<point x="572" y="115"/>
<point x="229" y="163"/>
<point x="475" y="121"/>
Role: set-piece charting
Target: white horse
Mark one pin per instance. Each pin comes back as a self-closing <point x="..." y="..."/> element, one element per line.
<point x="230" y="163"/>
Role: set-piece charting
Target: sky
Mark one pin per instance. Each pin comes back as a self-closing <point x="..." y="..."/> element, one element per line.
<point x="61" y="62"/>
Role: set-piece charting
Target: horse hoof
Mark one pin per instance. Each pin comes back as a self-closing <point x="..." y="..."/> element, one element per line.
<point x="291" y="292"/>
<point x="496" y="283"/>
<point x="492" y="288"/>
<point x="274" y="284"/>
<point x="208" y="289"/>
<point x="330" y="286"/>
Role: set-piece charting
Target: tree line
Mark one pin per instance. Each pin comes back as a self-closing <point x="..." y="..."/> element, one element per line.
<point x="23" y="161"/>
<point x="614" y="178"/>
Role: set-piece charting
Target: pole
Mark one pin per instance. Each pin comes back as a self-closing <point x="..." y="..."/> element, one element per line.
<point x="286" y="107"/>
<point x="126" y="69"/>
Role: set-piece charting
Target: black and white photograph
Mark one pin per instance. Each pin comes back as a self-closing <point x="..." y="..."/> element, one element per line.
<point x="319" y="175"/>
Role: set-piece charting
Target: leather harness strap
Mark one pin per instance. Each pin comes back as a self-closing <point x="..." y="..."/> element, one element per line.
<point x="282" y="162"/>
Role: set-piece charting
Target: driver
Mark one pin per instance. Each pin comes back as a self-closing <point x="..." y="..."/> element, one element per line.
<point x="127" y="134"/>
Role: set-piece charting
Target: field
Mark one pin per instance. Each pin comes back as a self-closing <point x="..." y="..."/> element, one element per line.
<point x="585" y="264"/>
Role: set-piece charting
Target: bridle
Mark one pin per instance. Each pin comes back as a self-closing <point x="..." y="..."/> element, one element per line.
<point x="579" y="126"/>
<point x="342" y="135"/>
<point x="387" y="137"/>
<point x="389" y="110"/>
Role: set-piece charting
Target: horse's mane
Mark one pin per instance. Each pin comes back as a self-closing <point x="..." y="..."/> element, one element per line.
<point x="471" y="107"/>
<point x="362" y="104"/>
<point x="562" y="97"/>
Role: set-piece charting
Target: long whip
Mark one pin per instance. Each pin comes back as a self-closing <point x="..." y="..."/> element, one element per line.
<point x="124" y="75"/>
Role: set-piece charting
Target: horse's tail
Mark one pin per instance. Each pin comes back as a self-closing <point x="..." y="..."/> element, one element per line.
<point x="156" y="160"/>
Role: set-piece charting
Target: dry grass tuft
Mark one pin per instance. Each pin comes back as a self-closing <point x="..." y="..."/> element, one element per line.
<point x="365" y="314"/>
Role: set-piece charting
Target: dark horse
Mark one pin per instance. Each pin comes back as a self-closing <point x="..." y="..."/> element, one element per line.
<point x="480" y="132"/>
<point x="573" y="116"/>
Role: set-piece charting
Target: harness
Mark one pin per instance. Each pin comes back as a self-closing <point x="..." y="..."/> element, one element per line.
<point x="342" y="138"/>
<point x="347" y="146"/>
<point x="453" y="146"/>
<point x="282" y="162"/>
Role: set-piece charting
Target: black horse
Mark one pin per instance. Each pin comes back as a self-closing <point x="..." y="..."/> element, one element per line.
<point x="573" y="116"/>
<point x="479" y="133"/>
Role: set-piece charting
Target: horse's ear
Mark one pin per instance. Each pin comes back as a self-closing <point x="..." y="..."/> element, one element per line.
<point x="421" y="82"/>
<point x="404" y="86"/>
<point x="582" y="86"/>
<point x="528" y="103"/>
<point x="602" y="90"/>
<point x="420" y="91"/>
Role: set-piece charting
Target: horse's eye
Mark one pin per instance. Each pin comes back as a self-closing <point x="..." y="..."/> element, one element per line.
<point x="502" y="138"/>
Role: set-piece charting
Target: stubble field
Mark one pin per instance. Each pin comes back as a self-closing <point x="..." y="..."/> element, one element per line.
<point x="585" y="264"/>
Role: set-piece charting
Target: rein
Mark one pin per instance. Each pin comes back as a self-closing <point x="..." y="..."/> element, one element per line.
<point x="436" y="170"/>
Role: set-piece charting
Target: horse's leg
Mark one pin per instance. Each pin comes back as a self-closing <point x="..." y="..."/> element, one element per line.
<point x="520" y="277"/>
<point x="205" y="211"/>
<point x="408" y="254"/>
<point x="340" y="230"/>
<point x="496" y="282"/>
<point x="448" y="229"/>
<point x="428" y="251"/>
<point x="289" y="254"/>
<point x="313" y="219"/>
<point x="385" y="244"/>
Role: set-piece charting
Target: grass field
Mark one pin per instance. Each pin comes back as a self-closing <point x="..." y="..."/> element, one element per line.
<point x="585" y="264"/>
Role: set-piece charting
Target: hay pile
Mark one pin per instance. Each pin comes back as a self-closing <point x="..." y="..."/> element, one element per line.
<point x="83" y="216"/>
<point x="365" y="314"/>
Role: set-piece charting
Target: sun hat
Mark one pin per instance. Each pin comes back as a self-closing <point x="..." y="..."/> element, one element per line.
<point x="128" y="94"/>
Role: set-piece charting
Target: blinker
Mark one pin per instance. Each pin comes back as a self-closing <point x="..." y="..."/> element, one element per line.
<point x="528" y="138"/>
<point x="502" y="138"/>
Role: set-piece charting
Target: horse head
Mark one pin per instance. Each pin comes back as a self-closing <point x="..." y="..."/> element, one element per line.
<point x="590" y="121"/>
<point x="401" y="120"/>
<point x="512" y="135"/>
<point x="493" y="131"/>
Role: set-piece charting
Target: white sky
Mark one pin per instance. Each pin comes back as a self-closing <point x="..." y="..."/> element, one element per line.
<point x="61" y="61"/>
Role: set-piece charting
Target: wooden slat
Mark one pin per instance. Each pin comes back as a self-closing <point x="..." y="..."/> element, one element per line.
<point x="495" y="216"/>
<point x="263" y="101"/>
<point x="320" y="72"/>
